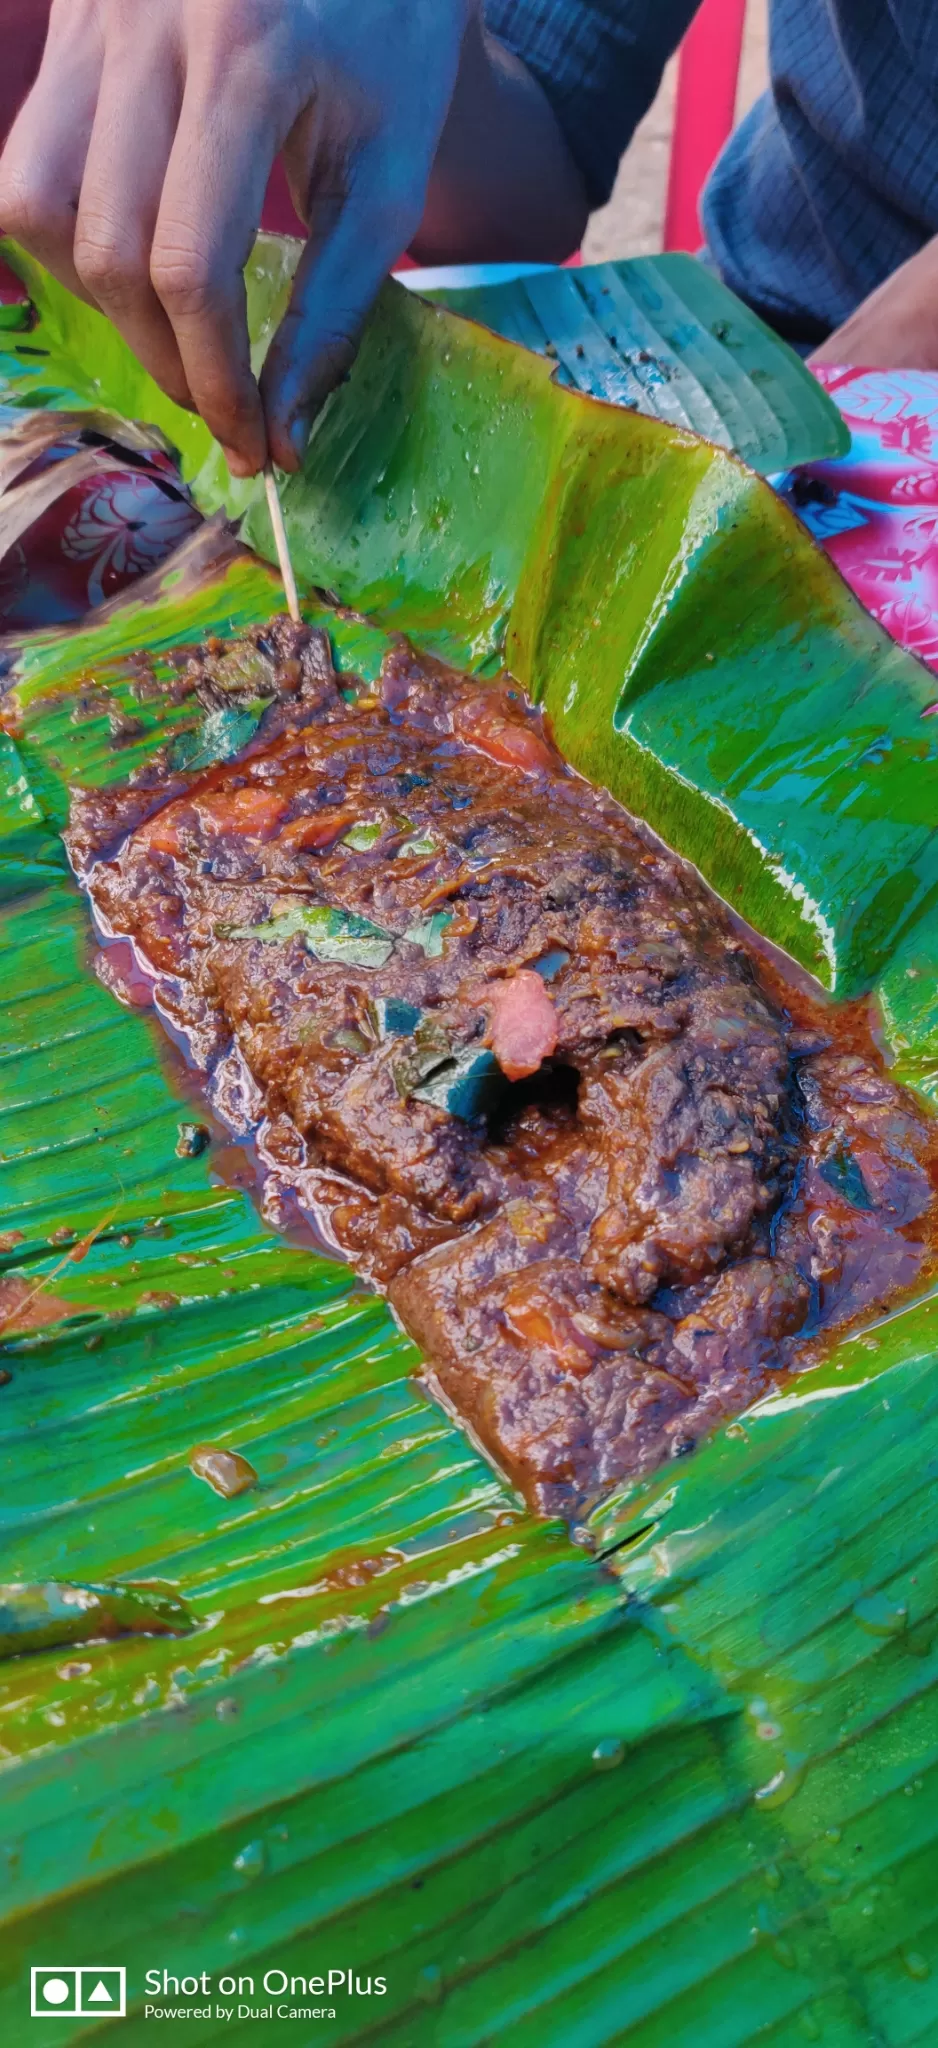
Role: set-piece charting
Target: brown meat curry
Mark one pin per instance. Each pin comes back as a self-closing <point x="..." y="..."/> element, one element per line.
<point x="512" y="1056"/>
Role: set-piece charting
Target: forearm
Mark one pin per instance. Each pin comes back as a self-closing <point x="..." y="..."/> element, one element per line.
<point x="504" y="184"/>
<point x="896" y="328"/>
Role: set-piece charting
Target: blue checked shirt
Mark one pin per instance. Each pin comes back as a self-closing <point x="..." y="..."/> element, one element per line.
<point x="829" y="183"/>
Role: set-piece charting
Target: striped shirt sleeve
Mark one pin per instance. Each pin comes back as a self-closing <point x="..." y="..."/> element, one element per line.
<point x="599" y="63"/>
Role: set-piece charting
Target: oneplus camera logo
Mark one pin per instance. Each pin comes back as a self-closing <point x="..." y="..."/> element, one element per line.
<point x="70" y="1994"/>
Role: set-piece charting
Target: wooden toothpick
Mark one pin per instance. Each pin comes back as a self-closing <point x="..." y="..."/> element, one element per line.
<point x="280" y="537"/>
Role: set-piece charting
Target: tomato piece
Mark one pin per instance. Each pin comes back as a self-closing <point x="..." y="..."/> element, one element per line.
<point x="535" y="1318"/>
<point x="522" y="1023"/>
<point x="253" y="810"/>
<point x="161" y="834"/>
<point x="506" y="740"/>
<point x="320" y="829"/>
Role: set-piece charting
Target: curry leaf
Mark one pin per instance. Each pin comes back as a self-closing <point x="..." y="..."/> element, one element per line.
<point x="364" y="835"/>
<point x="421" y="843"/>
<point x="428" y="935"/>
<point x="466" y="1086"/>
<point x="328" y="934"/>
<point x="842" y="1173"/>
<point x="394" y="1017"/>
<point x="221" y="734"/>
<point x="43" y="1616"/>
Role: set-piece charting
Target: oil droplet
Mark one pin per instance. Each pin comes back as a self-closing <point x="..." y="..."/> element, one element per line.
<point x="429" y="1986"/>
<point x="225" y="1471"/>
<point x="880" y="1615"/>
<point x="251" y="1861"/>
<point x="782" y="1786"/>
<point x="773" y="1877"/>
<point x="608" y="1753"/>
<point x="832" y="1834"/>
<point x="784" y="1954"/>
<point x="916" y="1965"/>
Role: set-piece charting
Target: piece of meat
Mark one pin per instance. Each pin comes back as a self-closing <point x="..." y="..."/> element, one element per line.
<point x="553" y="1374"/>
<point x="739" y="1321"/>
<point x="856" y="1226"/>
<point x="508" y="1052"/>
<point x="695" y="1134"/>
<point x="569" y="1388"/>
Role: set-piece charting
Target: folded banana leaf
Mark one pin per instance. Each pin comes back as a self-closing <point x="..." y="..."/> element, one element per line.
<point x="673" y="1783"/>
<point x="662" y="335"/>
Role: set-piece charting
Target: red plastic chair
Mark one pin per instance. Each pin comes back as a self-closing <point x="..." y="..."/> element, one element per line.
<point x="704" y="113"/>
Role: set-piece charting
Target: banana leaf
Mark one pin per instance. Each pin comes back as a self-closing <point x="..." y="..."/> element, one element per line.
<point x="672" y="1782"/>
<point x="661" y="334"/>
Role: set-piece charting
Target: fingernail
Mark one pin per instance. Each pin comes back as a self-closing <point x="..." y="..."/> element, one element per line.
<point x="236" y="462"/>
<point x="299" y="434"/>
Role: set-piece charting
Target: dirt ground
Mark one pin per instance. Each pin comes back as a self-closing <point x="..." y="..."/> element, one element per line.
<point x="631" y="224"/>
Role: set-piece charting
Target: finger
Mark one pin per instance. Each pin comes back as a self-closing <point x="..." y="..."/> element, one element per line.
<point x="355" y="237"/>
<point x="209" y="215"/>
<point x="42" y="165"/>
<point x="125" y="169"/>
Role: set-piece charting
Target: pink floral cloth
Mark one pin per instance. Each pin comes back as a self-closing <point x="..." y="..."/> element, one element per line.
<point x="87" y="546"/>
<point x="875" y="511"/>
<point x="89" y="537"/>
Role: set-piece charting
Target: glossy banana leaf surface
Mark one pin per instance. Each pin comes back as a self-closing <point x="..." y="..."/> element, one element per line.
<point x="662" y="335"/>
<point x="671" y="1782"/>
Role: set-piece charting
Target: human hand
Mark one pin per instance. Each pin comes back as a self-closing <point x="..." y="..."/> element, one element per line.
<point x="896" y="328"/>
<point x="136" y="173"/>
